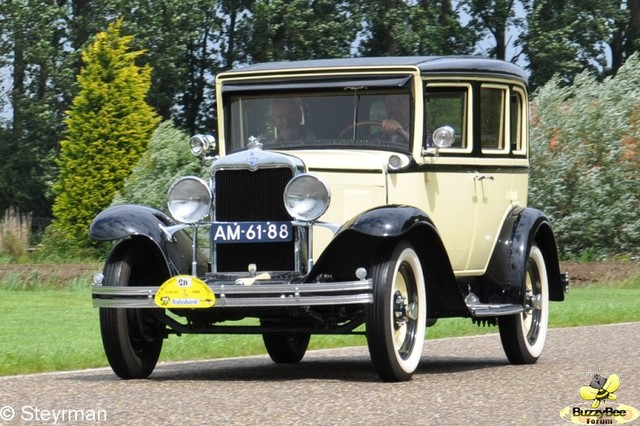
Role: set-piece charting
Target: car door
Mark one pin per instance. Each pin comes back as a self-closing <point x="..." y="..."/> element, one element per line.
<point x="451" y="197"/>
<point x="500" y="180"/>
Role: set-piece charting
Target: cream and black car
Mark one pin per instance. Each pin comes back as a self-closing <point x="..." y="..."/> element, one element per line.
<point x="346" y="196"/>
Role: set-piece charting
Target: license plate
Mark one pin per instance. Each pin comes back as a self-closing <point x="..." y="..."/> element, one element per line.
<point x="251" y="232"/>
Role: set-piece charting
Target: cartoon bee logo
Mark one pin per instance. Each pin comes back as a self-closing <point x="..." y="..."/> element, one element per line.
<point x="600" y="389"/>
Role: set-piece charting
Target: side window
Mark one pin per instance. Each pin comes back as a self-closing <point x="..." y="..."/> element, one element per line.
<point x="518" y="121"/>
<point x="447" y="106"/>
<point x="492" y="118"/>
<point x="514" y="120"/>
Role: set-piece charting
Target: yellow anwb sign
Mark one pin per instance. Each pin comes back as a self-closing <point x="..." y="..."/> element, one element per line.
<point x="184" y="291"/>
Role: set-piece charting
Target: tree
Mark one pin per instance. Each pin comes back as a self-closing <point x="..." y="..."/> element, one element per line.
<point x="298" y="29"/>
<point x="585" y="157"/>
<point x="398" y="27"/>
<point x="179" y="38"/>
<point x="32" y="49"/>
<point x="495" y="17"/>
<point x="625" y="39"/>
<point x="167" y="158"/>
<point x="108" y="128"/>
<point x="233" y="10"/>
<point x="567" y="37"/>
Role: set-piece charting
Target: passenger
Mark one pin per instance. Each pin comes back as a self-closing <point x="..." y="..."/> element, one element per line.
<point x="286" y="114"/>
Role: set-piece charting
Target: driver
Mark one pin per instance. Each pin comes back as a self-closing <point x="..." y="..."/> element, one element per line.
<point x="398" y="116"/>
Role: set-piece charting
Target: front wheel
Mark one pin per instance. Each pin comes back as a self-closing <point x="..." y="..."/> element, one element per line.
<point x="286" y="348"/>
<point x="396" y="320"/>
<point x="132" y="338"/>
<point x="523" y="335"/>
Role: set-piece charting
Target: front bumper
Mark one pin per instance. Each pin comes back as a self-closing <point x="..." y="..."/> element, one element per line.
<point x="260" y="294"/>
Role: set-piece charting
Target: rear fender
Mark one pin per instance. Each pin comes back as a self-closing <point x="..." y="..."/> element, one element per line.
<point x="119" y="222"/>
<point x="357" y="241"/>
<point x="505" y="276"/>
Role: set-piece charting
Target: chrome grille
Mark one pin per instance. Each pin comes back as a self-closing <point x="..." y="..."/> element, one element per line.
<point x="243" y="195"/>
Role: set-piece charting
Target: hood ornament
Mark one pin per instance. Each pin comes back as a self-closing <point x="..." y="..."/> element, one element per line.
<point x="254" y="143"/>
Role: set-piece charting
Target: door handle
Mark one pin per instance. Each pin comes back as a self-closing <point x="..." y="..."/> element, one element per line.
<point x="480" y="177"/>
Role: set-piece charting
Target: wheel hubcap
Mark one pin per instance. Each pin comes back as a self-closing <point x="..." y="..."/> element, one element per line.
<point x="400" y="309"/>
<point x="536" y="302"/>
<point x="403" y="311"/>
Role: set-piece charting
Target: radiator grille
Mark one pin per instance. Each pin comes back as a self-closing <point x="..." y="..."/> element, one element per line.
<point x="244" y="195"/>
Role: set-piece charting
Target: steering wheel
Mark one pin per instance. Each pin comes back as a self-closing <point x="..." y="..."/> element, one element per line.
<point x="351" y="127"/>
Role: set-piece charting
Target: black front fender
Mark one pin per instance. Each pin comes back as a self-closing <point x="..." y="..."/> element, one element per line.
<point x="387" y="221"/>
<point x="119" y="222"/>
<point x="358" y="240"/>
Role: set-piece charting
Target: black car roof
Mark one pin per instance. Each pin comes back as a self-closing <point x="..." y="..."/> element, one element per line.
<point x="426" y="64"/>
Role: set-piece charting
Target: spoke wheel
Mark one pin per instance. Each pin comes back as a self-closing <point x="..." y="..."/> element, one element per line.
<point x="286" y="348"/>
<point x="396" y="320"/>
<point x="523" y="335"/>
<point x="132" y="338"/>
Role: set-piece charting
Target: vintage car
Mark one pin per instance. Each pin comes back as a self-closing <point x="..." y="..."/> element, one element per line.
<point x="344" y="196"/>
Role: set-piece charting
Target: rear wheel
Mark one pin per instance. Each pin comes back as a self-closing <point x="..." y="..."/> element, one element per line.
<point x="396" y="319"/>
<point x="132" y="338"/>
<point x="286" y="348"/>
<point x="523" y="335"/>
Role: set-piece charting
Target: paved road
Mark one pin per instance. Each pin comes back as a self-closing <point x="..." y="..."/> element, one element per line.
<point x="460" y="381"/>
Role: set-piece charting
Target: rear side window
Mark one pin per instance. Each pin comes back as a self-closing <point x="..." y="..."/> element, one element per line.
<point x="518" y="112"/>
<point x="493" y="124"/>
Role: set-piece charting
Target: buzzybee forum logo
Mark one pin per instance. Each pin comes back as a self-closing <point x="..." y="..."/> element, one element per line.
<point x="600" y="406"/>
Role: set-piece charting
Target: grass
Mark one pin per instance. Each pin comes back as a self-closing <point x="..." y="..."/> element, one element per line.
<point x="58" y="329"/>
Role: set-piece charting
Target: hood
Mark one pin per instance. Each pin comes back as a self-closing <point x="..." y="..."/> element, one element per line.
<point x="343" y="160"/>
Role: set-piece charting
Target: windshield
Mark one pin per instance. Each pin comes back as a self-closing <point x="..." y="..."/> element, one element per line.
<point x="380" y="119"/>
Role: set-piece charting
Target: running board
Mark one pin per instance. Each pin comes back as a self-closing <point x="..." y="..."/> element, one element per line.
<point x="481" y="310"/>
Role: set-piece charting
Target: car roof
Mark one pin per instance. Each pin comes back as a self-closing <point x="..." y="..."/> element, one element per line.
<point x="466" y="65"/>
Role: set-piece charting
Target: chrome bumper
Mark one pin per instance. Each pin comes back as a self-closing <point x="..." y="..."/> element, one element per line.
<point x="260" y="294"/>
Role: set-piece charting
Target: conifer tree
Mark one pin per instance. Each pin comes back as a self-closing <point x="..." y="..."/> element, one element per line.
<point x="109" y="127"/>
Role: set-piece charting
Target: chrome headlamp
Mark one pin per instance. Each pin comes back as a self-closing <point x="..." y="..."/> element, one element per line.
<point x="189" y="199"/>
<point x="202" y="145"/>
<point x="443" y="137"/>
<point x="306" y="197"/>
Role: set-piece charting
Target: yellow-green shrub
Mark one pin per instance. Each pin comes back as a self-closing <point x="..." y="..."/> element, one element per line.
<point x="108" y="128"/>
